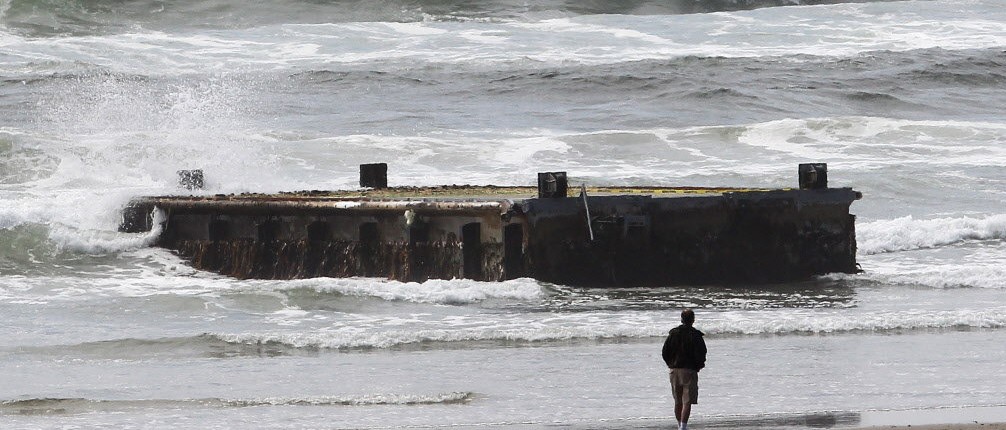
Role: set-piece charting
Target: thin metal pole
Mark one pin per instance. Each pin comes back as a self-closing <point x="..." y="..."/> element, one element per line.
<point x="583" y="193"/>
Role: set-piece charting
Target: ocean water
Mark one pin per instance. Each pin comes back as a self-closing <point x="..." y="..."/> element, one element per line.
<point x="103" y="100"/>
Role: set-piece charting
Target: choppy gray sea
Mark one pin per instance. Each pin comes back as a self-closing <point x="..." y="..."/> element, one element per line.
<point x="103" y="100"/>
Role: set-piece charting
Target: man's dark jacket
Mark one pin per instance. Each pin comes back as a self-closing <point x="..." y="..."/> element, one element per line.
<point x="685" y="348"/>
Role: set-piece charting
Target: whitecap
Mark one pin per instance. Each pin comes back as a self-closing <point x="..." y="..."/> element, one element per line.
<point x="437" y="291"/>
<point x="908" y="233"/>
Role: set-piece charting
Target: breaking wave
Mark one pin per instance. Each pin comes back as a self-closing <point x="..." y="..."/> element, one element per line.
<point x="626" y="327"/>
<point x="54" y="17"/>
<point x="437" y="338"/>
<point x="436" y="291"/>
<point x="33" y="249"/>
<point x="33" y="242"/>
<point x="814" y="323"/>
<point x="104" y="242"/>
<point x="60" y="406"/>
<point x="990" y="274"/>
<point x="301" y="336"/>
<point x="908" y="233"/>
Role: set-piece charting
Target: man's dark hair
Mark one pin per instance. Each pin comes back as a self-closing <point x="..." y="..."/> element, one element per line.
<point x="687" y="317"/>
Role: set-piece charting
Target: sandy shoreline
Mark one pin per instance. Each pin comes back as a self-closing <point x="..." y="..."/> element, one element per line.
<point x="972" y="426"/>
<point x="941" y="418"/>
<point x="949" y="418"/>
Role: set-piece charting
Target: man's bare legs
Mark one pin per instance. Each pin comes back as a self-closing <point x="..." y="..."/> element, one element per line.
<point x="681" y="412"/>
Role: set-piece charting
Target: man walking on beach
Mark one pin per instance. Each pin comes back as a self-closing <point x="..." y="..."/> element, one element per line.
<point x="685" y="354"/>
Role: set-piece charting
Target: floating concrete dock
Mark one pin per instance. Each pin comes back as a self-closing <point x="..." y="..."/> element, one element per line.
<point x="582" y="236"/>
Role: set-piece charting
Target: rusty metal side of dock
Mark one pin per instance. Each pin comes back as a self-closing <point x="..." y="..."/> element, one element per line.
<point x="755" y="236"/>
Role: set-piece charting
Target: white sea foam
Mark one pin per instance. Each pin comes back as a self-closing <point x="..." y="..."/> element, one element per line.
<point x="129" y="283"/>
<point x="977" y="265"/>
<point x="359" y="400"/>
<point x="877" y="142"/>
<point x="119" y="139"/>
<point x="82" y="405"/>
<point x="987" y="274"/>
<point x="596" y="326"/>
<point x="846" y="29"/>
<point x="153" y="271"/>
<point x="77" y="219"/>
<point x="797" y="321"/>
<point x="908" y="233"/>
<point x="768" y="154"/>
<point x="16" y="212"/>
<point x="511" y="159"/>
<point x="387" y="338"/>
<point x="104" y="242"/>
<point x="454" y="292"/>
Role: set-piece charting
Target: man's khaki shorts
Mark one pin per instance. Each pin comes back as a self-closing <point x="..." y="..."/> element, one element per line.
<point x="685" y="386"/>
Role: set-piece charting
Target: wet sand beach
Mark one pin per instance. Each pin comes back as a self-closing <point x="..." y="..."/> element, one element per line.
<point x="948" y="418"/>
<point x="973" y="426"/>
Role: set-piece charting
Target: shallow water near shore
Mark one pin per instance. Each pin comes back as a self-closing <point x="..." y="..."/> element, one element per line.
<point x="570" y="384"/>
<point x="100" y="102"/>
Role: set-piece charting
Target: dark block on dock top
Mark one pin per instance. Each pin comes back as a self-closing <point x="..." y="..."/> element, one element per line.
<point x="813" y="176"/>
<point x="374" y="175"/>
<point x="552" y="185"/>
